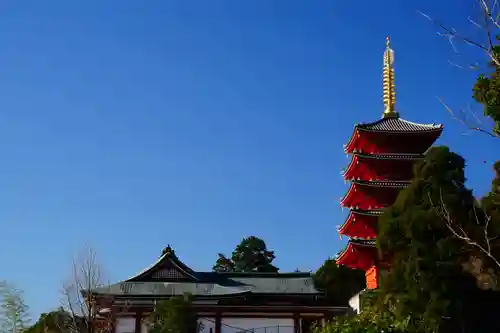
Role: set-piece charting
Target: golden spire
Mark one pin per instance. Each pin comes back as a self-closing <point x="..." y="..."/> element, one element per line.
<point x="389" y="86"/>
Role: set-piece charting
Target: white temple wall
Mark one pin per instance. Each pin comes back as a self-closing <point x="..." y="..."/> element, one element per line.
<point x="125" y="325"/>
<point x="257" y="325"/>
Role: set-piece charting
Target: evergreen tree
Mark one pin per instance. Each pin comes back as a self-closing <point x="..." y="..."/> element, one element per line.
<point x="251" y="255"/>
<point x="339" y="283"/>
<point x="223" y="264"/>
<point x="175" y="315"/>
<point x="487" y="90"/>
<point x="428" y="286"/>
<point x="57" y="321"/>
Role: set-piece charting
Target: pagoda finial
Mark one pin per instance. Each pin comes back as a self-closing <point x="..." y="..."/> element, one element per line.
<point x="389" y="85"/>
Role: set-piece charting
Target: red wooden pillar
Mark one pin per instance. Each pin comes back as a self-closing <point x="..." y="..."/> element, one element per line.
<point x="218" y="322"/>
<point x="138" y="321"/>
<point x="296" y="322"/>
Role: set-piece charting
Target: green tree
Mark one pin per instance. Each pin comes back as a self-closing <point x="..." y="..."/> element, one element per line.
<point x="429" y="286"/>
<point x="251" y="255"/>
<point x="57" y="321"/>
<point x="339" y="283"/>
<point x="371" y="320"/>
<point x="175" y="315"/>
<point x="487" y="89"/>
<point x="223" y="264"/>
<point x="14" y="317"/>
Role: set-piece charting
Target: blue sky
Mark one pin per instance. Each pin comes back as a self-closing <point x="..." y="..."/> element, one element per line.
<point x="130" y="125"/>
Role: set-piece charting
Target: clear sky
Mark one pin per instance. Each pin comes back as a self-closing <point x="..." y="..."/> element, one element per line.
<point x="129" y="125"/>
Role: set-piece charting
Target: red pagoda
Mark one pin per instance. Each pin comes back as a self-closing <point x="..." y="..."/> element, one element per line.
<point x="383" y="153"/>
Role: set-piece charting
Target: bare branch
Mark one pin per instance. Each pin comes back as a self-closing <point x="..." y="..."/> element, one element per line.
<point x="464" y="121"/>
<point x="489" y="24"/>
<point x="87" y="311"/>
<point x="458" y="231"/>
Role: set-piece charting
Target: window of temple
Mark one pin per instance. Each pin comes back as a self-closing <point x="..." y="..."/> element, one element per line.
<point x="125" y="325"/>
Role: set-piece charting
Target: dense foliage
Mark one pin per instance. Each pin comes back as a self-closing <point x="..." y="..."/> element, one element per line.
<point x="175" y="315"/>
<point x="427" y="285"/>
<point x="371" y="320"/>
<point x="251" y="255"/>
<point x="434" y="237"/>
<point x="57" y="321"/>
<point x="340" y="283"/>
<point x="487" y="91"/>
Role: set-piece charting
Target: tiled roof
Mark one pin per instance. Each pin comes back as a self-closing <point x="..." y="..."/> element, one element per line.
<point x="374" y="212"/>
<point x="229" y="287"/>
<point x="390" y="156"/>
<point x="398" y="125"/>
<point x="168" y="289"/>
<point x="393" y="184"/>
<point x="169" y="276"/>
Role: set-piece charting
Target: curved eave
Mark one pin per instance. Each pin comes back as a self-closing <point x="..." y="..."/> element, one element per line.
<point x="352" y="140"/>
<point x="354" y="253"/>
<point x="358" y="224"/>
<point x="350" y="168"/>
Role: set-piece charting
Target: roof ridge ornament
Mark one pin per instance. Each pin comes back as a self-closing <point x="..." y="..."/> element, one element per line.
<point x="389" y="87"/>
<point x="168" y="251"/>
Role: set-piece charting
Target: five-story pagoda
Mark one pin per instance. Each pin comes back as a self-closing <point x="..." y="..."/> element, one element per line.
<point x="383" y="153"/>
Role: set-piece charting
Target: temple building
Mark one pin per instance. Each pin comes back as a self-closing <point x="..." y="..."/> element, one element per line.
<point x="225" y="302"/>
<point x="383" y="154"/>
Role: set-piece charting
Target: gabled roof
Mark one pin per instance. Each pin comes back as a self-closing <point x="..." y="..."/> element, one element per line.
<point x="167" y="267"/>
<point x="398" y="125"/>
<point x="168" y="276"/>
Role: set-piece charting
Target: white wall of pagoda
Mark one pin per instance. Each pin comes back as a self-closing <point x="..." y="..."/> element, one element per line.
<point x="257" y="325"/>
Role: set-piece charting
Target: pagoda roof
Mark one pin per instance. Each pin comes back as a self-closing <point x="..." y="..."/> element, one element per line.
<point x="362" y="227"/>
<point x="355" y="253"/>
<point x="398" y="125"/>
<point x="356" y="157"/>
<point x="373" y="184"/>
<point x="168" y="276"/>
<point x="394" y="126"/>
